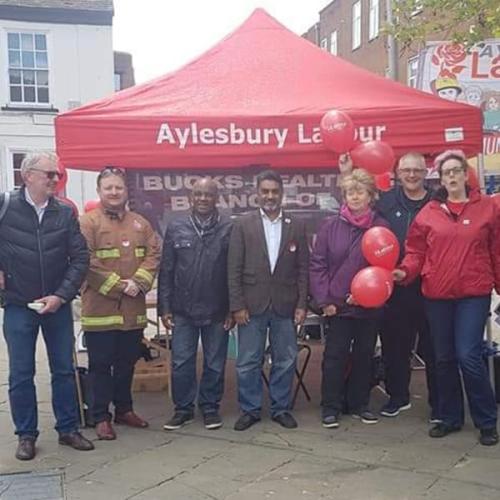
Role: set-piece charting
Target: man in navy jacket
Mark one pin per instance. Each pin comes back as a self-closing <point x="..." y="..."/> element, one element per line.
<point x="404" y="316"/>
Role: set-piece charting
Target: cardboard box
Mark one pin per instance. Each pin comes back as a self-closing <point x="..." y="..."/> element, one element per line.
<point x="154" y="375"/>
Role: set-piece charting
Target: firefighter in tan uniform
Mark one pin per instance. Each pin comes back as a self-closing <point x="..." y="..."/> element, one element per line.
<point x="124" y="256"/>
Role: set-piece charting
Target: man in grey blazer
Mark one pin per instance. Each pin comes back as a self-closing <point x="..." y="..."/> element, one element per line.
<point x="267" y="275"/>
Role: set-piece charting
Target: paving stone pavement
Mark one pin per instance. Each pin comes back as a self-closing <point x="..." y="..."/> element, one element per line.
<point x="394" y="459"/>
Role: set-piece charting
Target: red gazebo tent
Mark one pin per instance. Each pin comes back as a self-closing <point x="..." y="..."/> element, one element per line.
<point x="257" y="97"/>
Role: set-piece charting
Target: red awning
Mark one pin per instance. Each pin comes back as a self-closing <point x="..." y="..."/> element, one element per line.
<point x="257" y="97"/>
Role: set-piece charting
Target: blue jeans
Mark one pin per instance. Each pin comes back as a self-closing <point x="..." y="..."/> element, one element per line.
<point x="185" y="337"/>
<point x="251" y="348"/>
<point x="21" y="326"/>
<point x="457" y="329"/>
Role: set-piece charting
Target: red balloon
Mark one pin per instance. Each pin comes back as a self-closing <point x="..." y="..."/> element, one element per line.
<point x="380" y="247"/>
<point x="372" y="287"/>
<point x="383" y="181"/>
<point x="61" y="183"/>
<point x="337" y="131"/>
<point x="69" y="202"/>
<point x="376" y="157"/>
<point x="90" y="205"/>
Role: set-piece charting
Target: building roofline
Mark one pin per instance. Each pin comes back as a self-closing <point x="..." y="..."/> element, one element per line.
<point x="56" y="15"/>
<point x="326" y="7"/>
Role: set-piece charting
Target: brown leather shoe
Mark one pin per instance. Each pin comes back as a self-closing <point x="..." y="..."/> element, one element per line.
<point x="26" y="449"/>
<point x="76" y="441"/>
<point x="131" y="419"/>
<point x="105" y="431"/>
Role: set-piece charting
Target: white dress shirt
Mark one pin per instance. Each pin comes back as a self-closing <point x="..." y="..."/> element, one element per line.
<point x="39" y="209"/>
<point x="272" y="232"/>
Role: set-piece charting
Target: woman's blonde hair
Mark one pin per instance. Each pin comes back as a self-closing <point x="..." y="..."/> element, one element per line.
<point x="360" y="177"/>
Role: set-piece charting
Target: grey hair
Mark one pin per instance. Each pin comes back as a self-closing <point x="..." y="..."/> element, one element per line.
<point x="412" y="156"/>
<point x="32" y="159"/>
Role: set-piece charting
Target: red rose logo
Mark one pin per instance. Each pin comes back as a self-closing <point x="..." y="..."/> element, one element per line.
<point x="451" y="53"/>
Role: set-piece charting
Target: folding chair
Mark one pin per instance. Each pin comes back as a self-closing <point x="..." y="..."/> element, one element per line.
<point x="299" y="372"/>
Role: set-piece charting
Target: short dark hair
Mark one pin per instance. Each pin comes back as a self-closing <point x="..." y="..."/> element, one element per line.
<point x="457" y="157"/>
<point x="269" y="175"/>
<point x="110" y="170"/>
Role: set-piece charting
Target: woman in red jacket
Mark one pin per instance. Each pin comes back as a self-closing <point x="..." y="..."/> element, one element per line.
<point x="454" y="244"/>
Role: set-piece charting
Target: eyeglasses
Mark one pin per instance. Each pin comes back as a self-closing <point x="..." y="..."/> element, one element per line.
<point x="50" y="174"/>
<point x="412" y="171"/>
<point x="453" y="170"/>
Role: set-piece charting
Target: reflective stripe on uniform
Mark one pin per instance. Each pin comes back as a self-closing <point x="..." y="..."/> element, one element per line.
<point x="102" y="320"/>
<point x="145" y="275"/>
<point x="108" y="253"/>
<point x="142" y="318"/>
<point x="140" y="252"/>
<point x="109" y="283"/>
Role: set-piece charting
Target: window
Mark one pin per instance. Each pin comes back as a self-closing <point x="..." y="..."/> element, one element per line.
<point x="17" y="159"/>
<point x="412" y="72"/>
<point x="118" y="82"/>
<point x="28" y="68"/>
<point x="356" y="25"/>
<point x="374" y="19"/>
<point x="324" y="43"/>
<point x="333" y="43"/>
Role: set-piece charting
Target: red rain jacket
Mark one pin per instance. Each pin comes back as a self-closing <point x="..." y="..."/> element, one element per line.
<point x="457" y="256"/>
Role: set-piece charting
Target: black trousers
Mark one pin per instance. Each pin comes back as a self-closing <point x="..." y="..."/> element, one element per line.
<point x="349" y="341"/>
<point x="112" y="357"/>
<point x="404" y="318"/>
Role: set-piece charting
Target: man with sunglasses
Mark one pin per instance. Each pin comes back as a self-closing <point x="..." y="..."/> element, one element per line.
<point x="404" y="316"/>
<point x="43" y="260"/>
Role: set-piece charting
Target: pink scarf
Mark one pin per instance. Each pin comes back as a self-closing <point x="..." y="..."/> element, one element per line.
<point x="363" y="220"/>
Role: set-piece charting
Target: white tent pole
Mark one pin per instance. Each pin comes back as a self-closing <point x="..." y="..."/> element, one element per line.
<point x="489" y="329"/>
<point x="481" y="174"/>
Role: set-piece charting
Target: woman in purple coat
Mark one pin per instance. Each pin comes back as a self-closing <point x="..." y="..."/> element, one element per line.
<point x="335" y="260"/>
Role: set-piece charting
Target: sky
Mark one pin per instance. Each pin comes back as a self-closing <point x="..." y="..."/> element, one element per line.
<point x="163" y="35"/>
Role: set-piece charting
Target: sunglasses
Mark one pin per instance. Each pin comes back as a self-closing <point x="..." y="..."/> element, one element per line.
<point x="50" y="174"/>
<point x="105" y="172"/>
<point x="112" y="171"/>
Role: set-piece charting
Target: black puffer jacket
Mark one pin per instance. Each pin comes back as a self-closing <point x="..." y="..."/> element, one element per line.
<point x="50" y="258"/>
<point x="193" y="271"/>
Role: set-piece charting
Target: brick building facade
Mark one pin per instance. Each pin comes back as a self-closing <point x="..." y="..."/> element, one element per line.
<point x="352" y="29"/>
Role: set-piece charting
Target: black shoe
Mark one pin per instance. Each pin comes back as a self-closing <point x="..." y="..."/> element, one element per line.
<point x="366" y="416"/>
<point x="286" y="420"/>
<point x="178" y="420"/>
<point x="434" y="418"/>
<point x="26" y="448"/>
<point x="393" y="409"/>
<point x="488" y="437"/>
<point x="76" y="441"/>
<point x="212" y="420"/>
<point x="441" y="430"/>
<point x="330" y="421"/>
<point x="245" y="421"/>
